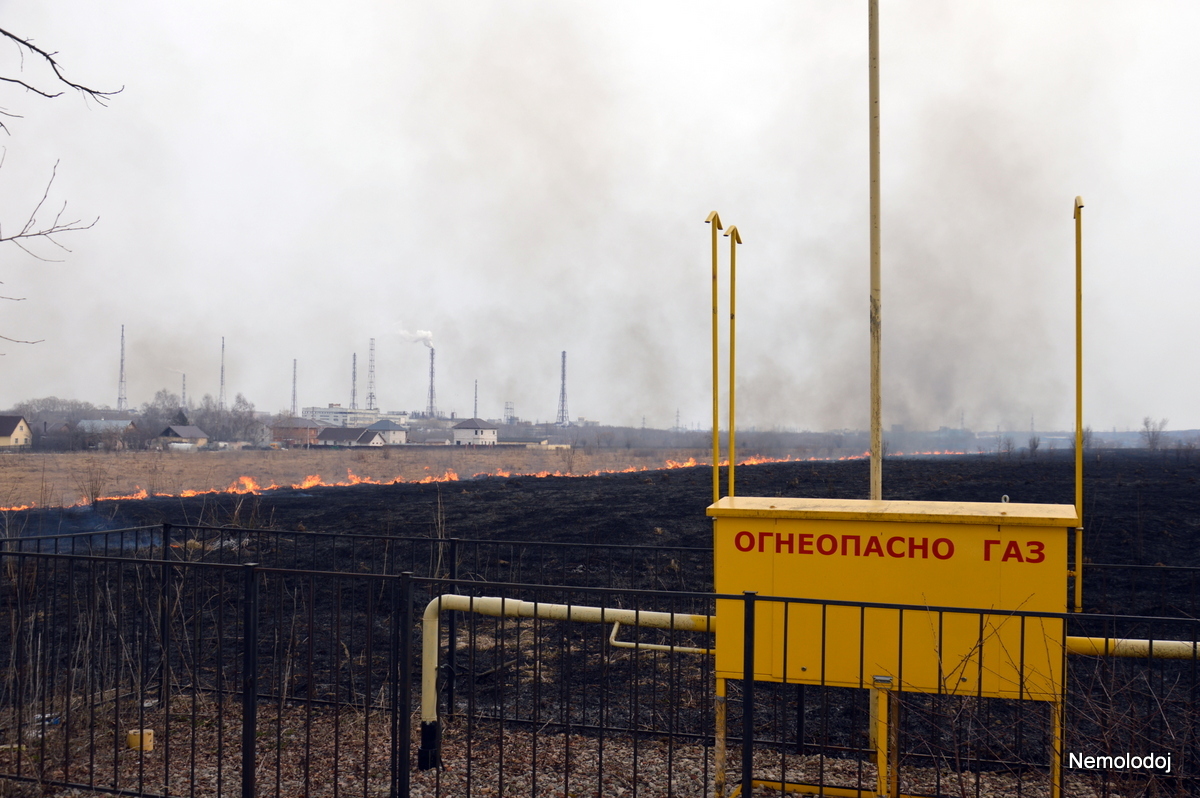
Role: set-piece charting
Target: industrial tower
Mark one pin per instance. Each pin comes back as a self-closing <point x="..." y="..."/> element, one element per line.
<point x="354" y="381"/>
<point x="221" y="398"/>
<point x="431" y="412"/>
<point x="122" y="403"/>
<point x="371" y="378"/>
<point x="564" y="419"/>
<point x="293" y="387"/>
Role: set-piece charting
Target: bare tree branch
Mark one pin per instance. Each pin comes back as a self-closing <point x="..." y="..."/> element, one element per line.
<point x="32" y="229"/>
<point x="19" y="341"/>
<point x="95" y="94"/>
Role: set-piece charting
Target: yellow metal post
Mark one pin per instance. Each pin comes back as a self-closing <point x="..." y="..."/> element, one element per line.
<point x="883" y="736"/>
<point x="876" y="324"/>
<point x="715" y="221"/>
<point x="1079" y="402"/>
<point x="1056" y="748"/>
<point x="735" y="238"/>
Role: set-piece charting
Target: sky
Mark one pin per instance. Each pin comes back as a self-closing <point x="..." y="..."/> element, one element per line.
<point x="524" y="178"/>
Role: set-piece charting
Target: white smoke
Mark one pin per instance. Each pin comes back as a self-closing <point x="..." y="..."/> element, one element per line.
<point x="421" y="336"/>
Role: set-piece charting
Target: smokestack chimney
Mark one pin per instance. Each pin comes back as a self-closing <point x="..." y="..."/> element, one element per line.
<point x="294" y="413"/>
<point x="354" y="381"/>
<point x="432" y="409"/>
<point x="564" y="419"/>
<point x="122" y="403"/>
<point x="221" y="398"/>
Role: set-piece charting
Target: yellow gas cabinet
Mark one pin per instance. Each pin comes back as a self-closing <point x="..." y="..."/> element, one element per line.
<point x="995" y="559"/>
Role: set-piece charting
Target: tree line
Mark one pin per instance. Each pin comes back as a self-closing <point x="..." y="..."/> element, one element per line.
<point x="56" y="422"/>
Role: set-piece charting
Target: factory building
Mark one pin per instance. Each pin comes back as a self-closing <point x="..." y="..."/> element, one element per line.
<point x="337" y="416"/>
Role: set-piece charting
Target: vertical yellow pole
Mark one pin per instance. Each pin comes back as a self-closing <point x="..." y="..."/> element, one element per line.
<point x="715" y="221"/>
<point x="876" y="323"/>
<point x="880" y="734"/>
<point x="735" y="238"/>
<point x="1079" y="402"/>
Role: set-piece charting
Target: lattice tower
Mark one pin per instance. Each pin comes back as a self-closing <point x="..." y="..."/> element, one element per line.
<point x="564" y="418"/>
<point x="371" y="377"/>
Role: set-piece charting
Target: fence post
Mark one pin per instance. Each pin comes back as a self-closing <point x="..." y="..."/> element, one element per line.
<point x="164" y="632"/>
<point x="748" y="696"/>
<point x="249" y="677"/>
<point x="451" y="666"/>
<point x="406" y="678"/>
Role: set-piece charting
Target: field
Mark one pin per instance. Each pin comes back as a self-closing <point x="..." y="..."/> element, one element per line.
<point x="1140" y="507"/>
<point x="73" y="478"/>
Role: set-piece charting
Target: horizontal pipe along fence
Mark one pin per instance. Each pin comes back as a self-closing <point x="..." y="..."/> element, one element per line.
<point x="278" y="664"/>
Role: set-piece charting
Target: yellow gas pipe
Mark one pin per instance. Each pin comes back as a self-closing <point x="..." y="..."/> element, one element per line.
<point x="735" y="238"/>
<point x="1079" y="403"/>
<point x="715" y="221"/>
<point x="429" y="754"/>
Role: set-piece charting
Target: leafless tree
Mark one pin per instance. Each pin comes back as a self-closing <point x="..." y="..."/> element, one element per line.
<point x="40" y="225"/>
<point x="1007" y="446"/>
<point x="1034" y="443"/>
<point x="1152" y="433"/>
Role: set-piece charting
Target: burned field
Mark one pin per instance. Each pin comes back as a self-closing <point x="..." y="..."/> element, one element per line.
<point x="1140" y="508"/>
<point x="515" y="691"/>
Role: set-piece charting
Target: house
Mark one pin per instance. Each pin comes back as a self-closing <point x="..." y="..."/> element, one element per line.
<point x="179" y="436"/>
<point x="474" y="432"/>
<point x="295" y="433"/>
<point x="349" y="436"/>
<point x="393" y="434"/>
<point x="105" y="433"/>
<point x="15" y="433"/>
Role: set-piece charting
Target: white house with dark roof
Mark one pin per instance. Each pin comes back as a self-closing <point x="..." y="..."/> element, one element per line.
<point x="474" y="432"/>
<point x="393" y="434"/>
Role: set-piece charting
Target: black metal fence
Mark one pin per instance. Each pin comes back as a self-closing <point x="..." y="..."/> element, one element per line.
<point x="281" y="664"/>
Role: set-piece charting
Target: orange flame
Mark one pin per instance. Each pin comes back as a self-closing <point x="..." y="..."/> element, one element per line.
<point x="246" y="485"/>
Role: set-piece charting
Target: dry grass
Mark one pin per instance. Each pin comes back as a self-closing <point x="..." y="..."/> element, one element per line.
<point x="63" y="479"/>
<point x="325" y="752"/>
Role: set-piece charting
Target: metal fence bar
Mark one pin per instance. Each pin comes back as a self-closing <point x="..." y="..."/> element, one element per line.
<point x="249" y="679"/>
<point x="110" y="643"/>
<point x="404" y="711"/>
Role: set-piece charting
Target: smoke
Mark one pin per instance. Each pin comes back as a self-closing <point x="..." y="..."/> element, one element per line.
<point x="420" y="336"/>
<point x="559" y="161"/>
